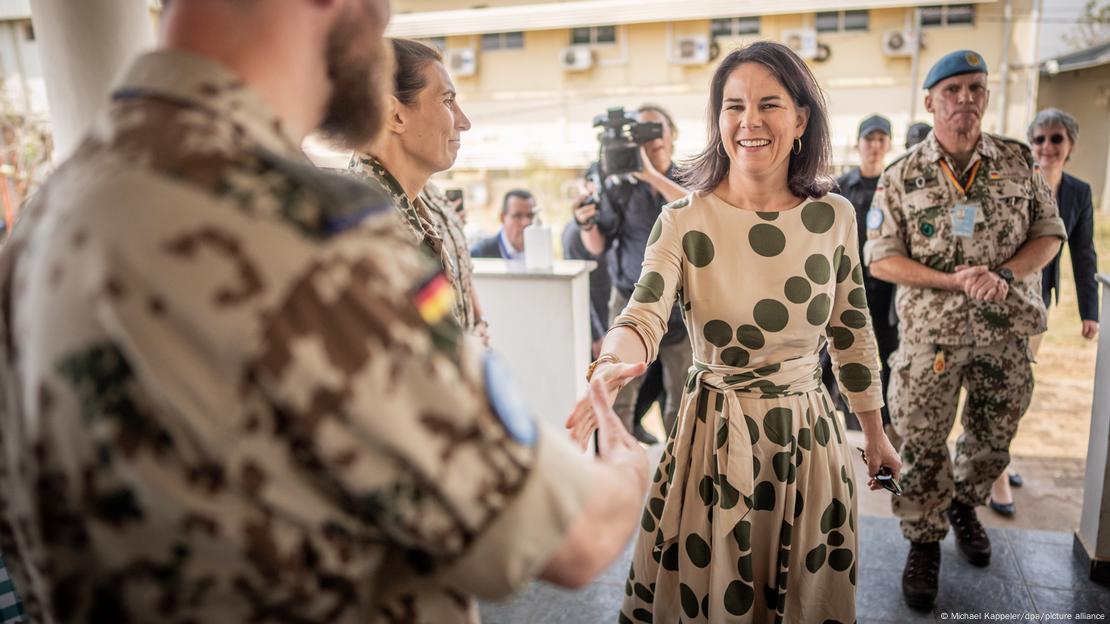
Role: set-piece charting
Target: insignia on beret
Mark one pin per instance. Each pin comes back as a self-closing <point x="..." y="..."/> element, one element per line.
<point x="954" y="64"/>
<point x="507" y="401"/>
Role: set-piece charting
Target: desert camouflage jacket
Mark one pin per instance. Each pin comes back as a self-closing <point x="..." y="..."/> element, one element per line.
<point x="227" y="398"/>
<point x="912" y="215"/>
<point x="434" y="224"/>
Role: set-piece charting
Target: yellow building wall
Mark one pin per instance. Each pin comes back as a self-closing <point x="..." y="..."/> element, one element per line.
<point x="524" y="93"/>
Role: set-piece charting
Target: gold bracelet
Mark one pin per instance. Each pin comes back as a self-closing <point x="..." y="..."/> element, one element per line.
<point x="601" y="359"/>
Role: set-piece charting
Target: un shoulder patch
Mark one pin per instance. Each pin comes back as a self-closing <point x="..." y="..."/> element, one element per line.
<point x="874" y="218"/>
<point x="507" y="401"/>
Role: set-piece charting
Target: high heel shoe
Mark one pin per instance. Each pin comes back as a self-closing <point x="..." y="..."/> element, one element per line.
<point x="1003" y="509"/>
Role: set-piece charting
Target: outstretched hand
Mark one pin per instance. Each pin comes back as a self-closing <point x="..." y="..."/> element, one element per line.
<point x="583" y="419"/>
<point x="615" y="445"/>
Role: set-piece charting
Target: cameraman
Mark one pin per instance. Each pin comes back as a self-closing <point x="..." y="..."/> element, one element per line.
<point x="621" y="225"/>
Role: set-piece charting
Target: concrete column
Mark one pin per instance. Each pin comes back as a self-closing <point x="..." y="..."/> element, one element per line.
<point x="83" y="47"/>
<point x="1092" y="540"/>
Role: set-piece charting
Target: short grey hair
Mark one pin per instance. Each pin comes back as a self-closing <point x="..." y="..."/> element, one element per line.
<point x="1054" y="117"/>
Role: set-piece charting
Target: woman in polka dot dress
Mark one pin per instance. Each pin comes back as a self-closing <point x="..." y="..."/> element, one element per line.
<point x="752" y="514"/>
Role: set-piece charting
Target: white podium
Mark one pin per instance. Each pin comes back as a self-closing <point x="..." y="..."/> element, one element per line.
<point x="540" y="323"/>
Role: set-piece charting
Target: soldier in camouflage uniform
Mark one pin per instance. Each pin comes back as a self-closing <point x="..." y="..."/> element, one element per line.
<point x="963" y="224"/>
<point x="234" y="392"/>
<point x="424" y="103"/>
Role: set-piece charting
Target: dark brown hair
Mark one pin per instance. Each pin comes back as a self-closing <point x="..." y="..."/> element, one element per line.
<point x="409" y="58"/>
<point x="807" y="175"/>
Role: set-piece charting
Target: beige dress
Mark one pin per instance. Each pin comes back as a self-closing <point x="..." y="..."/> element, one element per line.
<point x="751" y="516"/>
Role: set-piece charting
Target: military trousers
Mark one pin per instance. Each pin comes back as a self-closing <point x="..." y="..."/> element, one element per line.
<point x="924" y="392"/>
<point x="676" y="360"/>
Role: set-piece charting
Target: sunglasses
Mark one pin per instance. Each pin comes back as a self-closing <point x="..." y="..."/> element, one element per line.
<point x="885" y="477"/>
<point x="1056" y="139"/>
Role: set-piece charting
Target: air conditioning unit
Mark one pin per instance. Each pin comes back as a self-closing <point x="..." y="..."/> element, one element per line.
<point x="899" y="43"/>
<point x="691" y="51"/>
<point x="462" y="62"/>
<point x="803" y="41"/>
<point x="576" y="58"/>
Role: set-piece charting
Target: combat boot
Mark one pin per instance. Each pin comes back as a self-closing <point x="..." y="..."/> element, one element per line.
<point x="919" y="578"/>
<point x="970" y="536"/>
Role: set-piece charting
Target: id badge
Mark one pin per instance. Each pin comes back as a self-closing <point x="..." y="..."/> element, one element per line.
<point x="963" y="219"/>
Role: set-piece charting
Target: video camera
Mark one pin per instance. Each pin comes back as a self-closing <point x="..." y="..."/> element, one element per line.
<point x="619" y="142"/>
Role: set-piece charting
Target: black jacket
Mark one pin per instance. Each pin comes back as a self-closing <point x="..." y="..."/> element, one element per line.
<point x="626" y="229"/>
<point x="1074" y="200"/>
<point x="487" y="247"/>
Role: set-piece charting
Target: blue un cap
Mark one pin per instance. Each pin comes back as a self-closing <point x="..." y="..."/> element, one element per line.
<point x="954" y="64"/>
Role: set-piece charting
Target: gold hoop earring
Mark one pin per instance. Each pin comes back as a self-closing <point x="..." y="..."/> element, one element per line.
<point x="720" y="150"/>
<point x="797" y="145"/>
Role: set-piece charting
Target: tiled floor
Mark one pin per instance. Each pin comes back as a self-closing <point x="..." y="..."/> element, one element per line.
<point x="1031" y="572"/>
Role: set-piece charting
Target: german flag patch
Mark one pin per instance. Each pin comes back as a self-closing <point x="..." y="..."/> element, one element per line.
<point x="434" y="298"/>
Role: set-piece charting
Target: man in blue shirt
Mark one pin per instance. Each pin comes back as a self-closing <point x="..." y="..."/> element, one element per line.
<point x="624" y="221"/>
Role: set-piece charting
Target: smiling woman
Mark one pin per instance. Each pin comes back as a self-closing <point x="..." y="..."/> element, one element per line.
<point x="789" y="96"/>
<point x="752" y="514"/>
<point x="423" y="127"/>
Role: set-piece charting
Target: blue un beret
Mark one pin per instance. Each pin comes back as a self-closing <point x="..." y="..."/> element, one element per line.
<point x="954" y="64"/>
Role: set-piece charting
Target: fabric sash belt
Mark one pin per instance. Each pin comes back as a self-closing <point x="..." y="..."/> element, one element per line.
<point x="733" y="434"/>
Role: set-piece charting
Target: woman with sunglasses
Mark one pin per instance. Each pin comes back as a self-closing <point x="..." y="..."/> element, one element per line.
<point x="752" y="514"/>
<point x="1053" y="135"/>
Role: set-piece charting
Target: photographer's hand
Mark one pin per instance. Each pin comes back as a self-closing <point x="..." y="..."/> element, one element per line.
<point x="585" y="214"/>
<point x="658" y="181"/>
<point x="586" y="217"/>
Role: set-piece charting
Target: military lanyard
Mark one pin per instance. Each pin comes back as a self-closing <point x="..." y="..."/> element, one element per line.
<point x="962" y="188"/>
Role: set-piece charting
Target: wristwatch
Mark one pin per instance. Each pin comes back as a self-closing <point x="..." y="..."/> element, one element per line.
<point x="1006" y="274"/>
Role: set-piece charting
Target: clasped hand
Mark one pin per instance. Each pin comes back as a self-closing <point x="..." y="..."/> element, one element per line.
<point x="980" y="283"/>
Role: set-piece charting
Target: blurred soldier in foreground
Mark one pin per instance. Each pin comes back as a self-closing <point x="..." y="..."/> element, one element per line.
<point x="234" y="391"/>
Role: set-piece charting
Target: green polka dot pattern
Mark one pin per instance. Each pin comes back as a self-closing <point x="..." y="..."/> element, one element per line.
<point x="818" y="217"/>
<point x="818" y="311"/>
<point x="771" y="315"/>
<point x="855" y="377"/>
<point x="858" y="298"/>
<point x="818" y="268"/>
<point x="698" y="248"/>
<point x="854" y="319"/>
<point x="750" y="336"/>
<point x="718" y="333"/>
<point x="656" y="232"/>
<point x="766" y="240"/>
<point x="798" y="290"/>
<point x="649" y="289"/>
